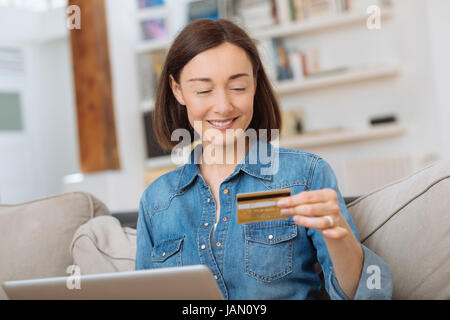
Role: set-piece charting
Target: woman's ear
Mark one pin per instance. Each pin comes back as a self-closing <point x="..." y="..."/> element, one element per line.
<point x="176" y="90"/>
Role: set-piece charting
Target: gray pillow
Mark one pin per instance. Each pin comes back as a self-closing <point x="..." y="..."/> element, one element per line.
<point x="407" y="223"/>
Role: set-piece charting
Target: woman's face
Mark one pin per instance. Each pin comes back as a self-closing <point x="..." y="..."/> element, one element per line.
<point x="217" y="87"/>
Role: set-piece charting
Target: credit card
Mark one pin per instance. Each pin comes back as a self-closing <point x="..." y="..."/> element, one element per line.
<point x="260" y="206"/>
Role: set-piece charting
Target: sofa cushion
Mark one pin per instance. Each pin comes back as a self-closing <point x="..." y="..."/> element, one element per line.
<point x="35" y="236"/>
<point x="101" y="245"/>
<point x="407" y="223"/>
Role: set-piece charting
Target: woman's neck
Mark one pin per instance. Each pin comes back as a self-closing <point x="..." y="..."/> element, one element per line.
<point x="222" y="159"/>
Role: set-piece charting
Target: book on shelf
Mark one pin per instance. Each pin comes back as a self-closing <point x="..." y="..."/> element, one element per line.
<point x="300" y="64"/>
<point x="158" y="59"/>
<point x="150" y="67"/>
<point x="154" y="29"/>
<point x="282" y="64"/>
<point x="259" y="14"/>
<point x="152" y="146"/>
<point x="208" y="9"/>
<point x="292" y="123"/>
<point x="145" y="77"/>
<point x="297" y="62"/>
<point x="143" y="4"/>
<point x="307" y="9"/>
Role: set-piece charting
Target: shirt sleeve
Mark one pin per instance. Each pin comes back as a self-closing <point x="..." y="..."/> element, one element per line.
<point x="144" y="241"/>
<point x="375" y="279"/>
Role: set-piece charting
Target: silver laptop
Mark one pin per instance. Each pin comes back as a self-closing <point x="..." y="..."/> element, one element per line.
<point x="179" y="283"/>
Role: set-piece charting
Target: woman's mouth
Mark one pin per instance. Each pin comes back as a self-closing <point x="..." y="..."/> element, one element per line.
<point x="222" y="124"/>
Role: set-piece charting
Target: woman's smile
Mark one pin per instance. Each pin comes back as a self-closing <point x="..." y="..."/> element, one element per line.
<point x="222" y="124"/>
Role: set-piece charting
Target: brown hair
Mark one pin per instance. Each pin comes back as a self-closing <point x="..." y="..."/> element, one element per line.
<point x="196" y="37"/>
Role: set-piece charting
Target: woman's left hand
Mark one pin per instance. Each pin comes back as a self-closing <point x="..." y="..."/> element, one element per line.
<point x="318" y="209"/>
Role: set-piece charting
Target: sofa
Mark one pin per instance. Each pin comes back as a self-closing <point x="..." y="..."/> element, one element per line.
<point x="407" y="223"/>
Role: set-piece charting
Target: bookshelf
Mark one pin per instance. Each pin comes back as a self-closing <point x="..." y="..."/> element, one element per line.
<point x="153" y="45"/>
<point x="156" y="11"/>
<point x="321" y="24"/>
<point x="343" y="136"/>
<point x="289" y="29"/>
<point x="351" y="75"/>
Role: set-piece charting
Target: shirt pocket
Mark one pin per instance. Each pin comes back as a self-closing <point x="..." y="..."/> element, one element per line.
<point x="269" y="249"/>
<point x="167" y="253"/>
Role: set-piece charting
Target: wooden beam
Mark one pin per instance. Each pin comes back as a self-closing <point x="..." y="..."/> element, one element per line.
<point x="92" y="78"/>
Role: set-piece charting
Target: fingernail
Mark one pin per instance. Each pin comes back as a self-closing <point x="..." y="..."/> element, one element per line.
<point x="282" y="202"/>
<point x="283" y="211"/>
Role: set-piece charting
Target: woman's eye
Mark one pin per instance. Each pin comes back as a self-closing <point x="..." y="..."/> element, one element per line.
<point x="239" y="89"/>
<point x="203" y="92"/>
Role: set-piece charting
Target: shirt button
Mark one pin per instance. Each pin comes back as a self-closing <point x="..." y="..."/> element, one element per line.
<point x="203" y="247"/>
<point x="206" y="224"/>
<point x="164" y="254"/>
<point x="216" y="277"/>
<point x="225" y="191"/>
<point x="270" y="236"/>
<point x="218" y="244"/>
<point x="209" y="200"/>
<point x="224" y="219"/>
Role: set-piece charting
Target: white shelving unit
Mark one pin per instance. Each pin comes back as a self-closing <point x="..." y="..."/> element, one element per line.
<point x="318" y="24"/>
<point x="153" y="45"/>
<point x="344" y="136"/>
<point x="152" y="12"/>
<point x="279" y="31"/>
<point x="147" y="105"/>
<point x="346" y="77"/>
<point x="156" y="12"/>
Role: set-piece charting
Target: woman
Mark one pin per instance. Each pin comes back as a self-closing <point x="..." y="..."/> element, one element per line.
<point x="213" y="81"/>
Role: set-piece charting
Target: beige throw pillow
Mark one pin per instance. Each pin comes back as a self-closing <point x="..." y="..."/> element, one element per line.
<point x="35" y="236"/>
<point x="101" y="246"/>
<point x="407" y="223"/>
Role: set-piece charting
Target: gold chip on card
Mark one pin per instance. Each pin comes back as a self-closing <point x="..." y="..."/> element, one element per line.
<point x="260" y="206"/>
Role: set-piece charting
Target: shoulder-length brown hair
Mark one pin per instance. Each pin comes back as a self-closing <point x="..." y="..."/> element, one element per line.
<point x="196" y="37"/>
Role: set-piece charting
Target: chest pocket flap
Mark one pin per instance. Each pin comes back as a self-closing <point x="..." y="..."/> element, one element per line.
<point x="272" y="234"/>
<point x="166" y="249"/>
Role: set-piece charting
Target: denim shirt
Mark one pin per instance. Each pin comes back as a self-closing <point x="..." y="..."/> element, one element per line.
<point x="263" y="260"/>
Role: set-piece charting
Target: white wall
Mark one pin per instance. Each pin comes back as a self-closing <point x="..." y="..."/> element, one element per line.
<point x="50" y="93"/>
<point x="438" y="31"/>
<point x="33" y="162"/>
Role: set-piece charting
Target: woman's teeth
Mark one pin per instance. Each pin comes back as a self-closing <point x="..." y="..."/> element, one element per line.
<point x="221" y="123"/>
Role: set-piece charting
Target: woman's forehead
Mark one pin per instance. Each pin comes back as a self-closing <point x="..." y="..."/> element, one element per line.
<point x="225" y="61"/>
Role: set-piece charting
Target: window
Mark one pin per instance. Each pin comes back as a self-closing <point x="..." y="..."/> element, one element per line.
<point x="10" y="112"/>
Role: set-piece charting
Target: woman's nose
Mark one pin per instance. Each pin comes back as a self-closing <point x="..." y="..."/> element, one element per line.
<point x="223" y="103"/>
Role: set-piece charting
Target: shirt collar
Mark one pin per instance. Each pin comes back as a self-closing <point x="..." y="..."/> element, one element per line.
<point x="258" y="162"/>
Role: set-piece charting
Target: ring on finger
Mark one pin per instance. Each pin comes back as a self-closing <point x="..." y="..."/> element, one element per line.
<point x="330" y="218"/>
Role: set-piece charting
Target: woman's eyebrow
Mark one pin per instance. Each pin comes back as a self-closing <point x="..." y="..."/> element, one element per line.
<point x="234" y="76"/>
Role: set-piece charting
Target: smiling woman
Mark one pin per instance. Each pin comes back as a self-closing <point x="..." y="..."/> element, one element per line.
<point x="217" y="102"/>
<point x="213" y="83"/>
<point x="213" y="74"/>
